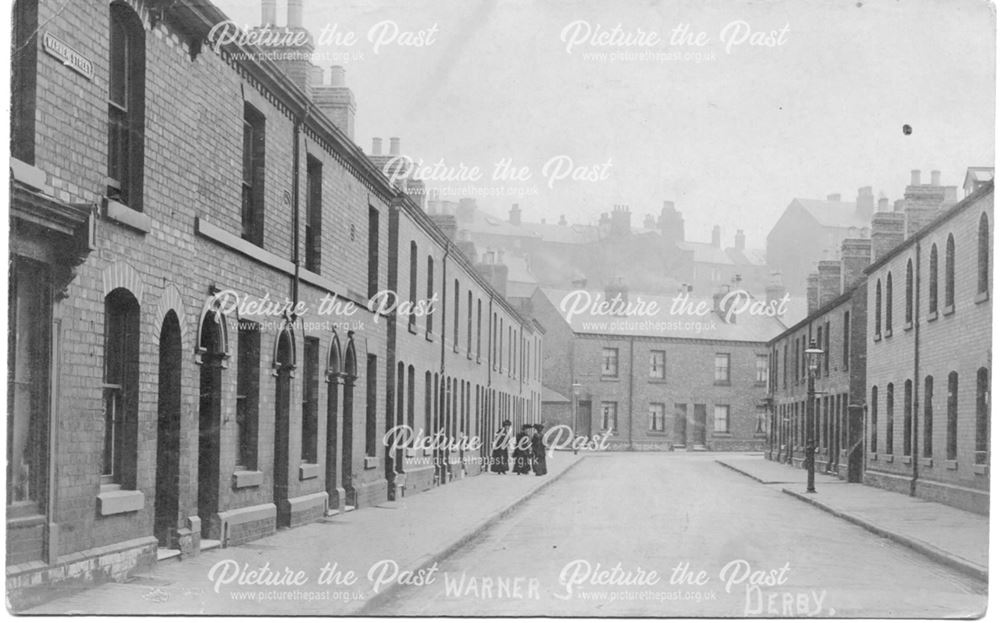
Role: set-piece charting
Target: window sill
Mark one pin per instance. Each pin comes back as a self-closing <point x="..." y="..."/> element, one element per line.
<point x="982" y="297"/>
<point x="245" y="478"/>
<point x="412" y="328"/>
<point x="658" y="381"/>
<point x="873" y="456"/>
<point x="932" y="316"/>
<point x="308" y="471"/>
<point x="888" y="458"/>
<point x="454" y="349"/>
<point x="907" y="460"/>
<point x="888" y="333"/>
<point x="908" y="325"/>
<point x="721" y="435"/>
<point x="980" y="470"/>
<point x="113" y="500"/>
<point x="371" y="462"/>
<point x="948" y="310"/>
<point x="429" y="336"/>
<point x="722" y="383"/>
<point x="951" y="464"/>
<point x="468" y="355"/>
<point x="657" y="433"/>
<point x="121" y="213"/>
<point x="878" y="337"/>
<point x="760" y="384"/>
<point x="609" y="378"/>
<point x="927" y="462"/>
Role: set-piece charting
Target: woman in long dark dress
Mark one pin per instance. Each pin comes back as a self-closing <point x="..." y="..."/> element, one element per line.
<point x="522" y="451"/>
<point x="498" y="456"/>
<point x="538" y="450"/>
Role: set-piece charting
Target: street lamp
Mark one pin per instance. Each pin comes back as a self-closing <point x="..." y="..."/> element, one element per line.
<point x="812" y="363"/>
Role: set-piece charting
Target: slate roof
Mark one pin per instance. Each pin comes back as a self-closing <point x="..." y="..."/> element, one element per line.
<point x="664" y="324"/>
<point x="832" y="213"/>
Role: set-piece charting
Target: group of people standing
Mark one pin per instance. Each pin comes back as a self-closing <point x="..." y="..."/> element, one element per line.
<point x="528" y="450"/>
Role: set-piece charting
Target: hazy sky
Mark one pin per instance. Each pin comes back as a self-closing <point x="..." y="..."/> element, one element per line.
<point x="730" y="139"/>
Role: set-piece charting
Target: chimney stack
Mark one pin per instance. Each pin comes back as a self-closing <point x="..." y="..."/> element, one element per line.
<point x="935" y="178"/>
<point x="829" y="280"/>
<point x="833" y="197"/>
<point x="268" y="12"/>
<point x="515" y="215"/>
<point x="741" y="240"/>
<point x="394" y="146"/>
<point x="812" y="293"/>
<point x="562" y="219"/>
<point x="376" y="146"/>
<point x="888" y="229"/>
<point x="338" y="76"/>
<point x="865" y="206"/>
<point x="915" y="177"/>
<point x="294" y="13"/>
<point x="883" y="204"/>
<point x="336" y="101"/>
<point x="717" y="237"/>
<point x="855" y="256"/>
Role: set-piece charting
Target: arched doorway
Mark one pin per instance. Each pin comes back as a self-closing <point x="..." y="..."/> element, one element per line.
<point x="284" y="364"/>
<point x="347" y="436"/>
<point x="168" y="433"/>
<point x="333" y="376"/>
<point x="212" y="356"/>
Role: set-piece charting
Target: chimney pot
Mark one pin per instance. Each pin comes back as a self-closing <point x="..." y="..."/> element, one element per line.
<point x="268" y="12"/>
<point x="376" y="146"/>
<point x="338" y="76"/>
<point x="394" y="146"/>
<point x="295" y="13"/>
<point x="915" y="177"/>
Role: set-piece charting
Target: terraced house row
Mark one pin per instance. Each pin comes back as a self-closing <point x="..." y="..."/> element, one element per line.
<point x="905" y="325"/>
<point x="156" y="181"/>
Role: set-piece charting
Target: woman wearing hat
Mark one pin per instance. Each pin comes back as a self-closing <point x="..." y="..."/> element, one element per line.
<point x="501" y="440"/>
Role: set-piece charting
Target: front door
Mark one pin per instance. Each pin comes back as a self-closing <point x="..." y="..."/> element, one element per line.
<point x="168" y="433"/>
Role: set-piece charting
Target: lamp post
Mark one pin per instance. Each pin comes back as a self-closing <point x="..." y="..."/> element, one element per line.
<point x="812" y="363"/>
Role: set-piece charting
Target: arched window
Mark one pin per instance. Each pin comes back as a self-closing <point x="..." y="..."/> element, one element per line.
<point x="929" y="417"/>
<point x="126" y="105"/>
<point x="949" y="273"/>
<point x="121" y="388"/>
<point x="983" y="283"/>
<point x="909" y="292"/>
<point x="951" y="445"/>
<point x="888" y="304"/>
<point x="889" y="406"/>
<point x="873" y="421"/>
<point x="982" y="416"/>
<point x="878" y="308"/>
<point x="932" y="282"/>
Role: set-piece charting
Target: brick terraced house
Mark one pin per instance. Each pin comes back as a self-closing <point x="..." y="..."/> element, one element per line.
<point x="155" y="180"/>
<point x="674" y="379"/>
<point x="929" y="335"/>
<point x="903" y="385"/>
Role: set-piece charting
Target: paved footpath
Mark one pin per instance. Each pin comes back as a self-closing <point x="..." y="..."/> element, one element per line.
<point x="957" y="538"/>
<point x="381" y="546"/>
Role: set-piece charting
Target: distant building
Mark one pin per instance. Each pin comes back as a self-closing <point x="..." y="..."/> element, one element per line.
<point x="662" y="381"/>
<point x="810" y="230"/>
